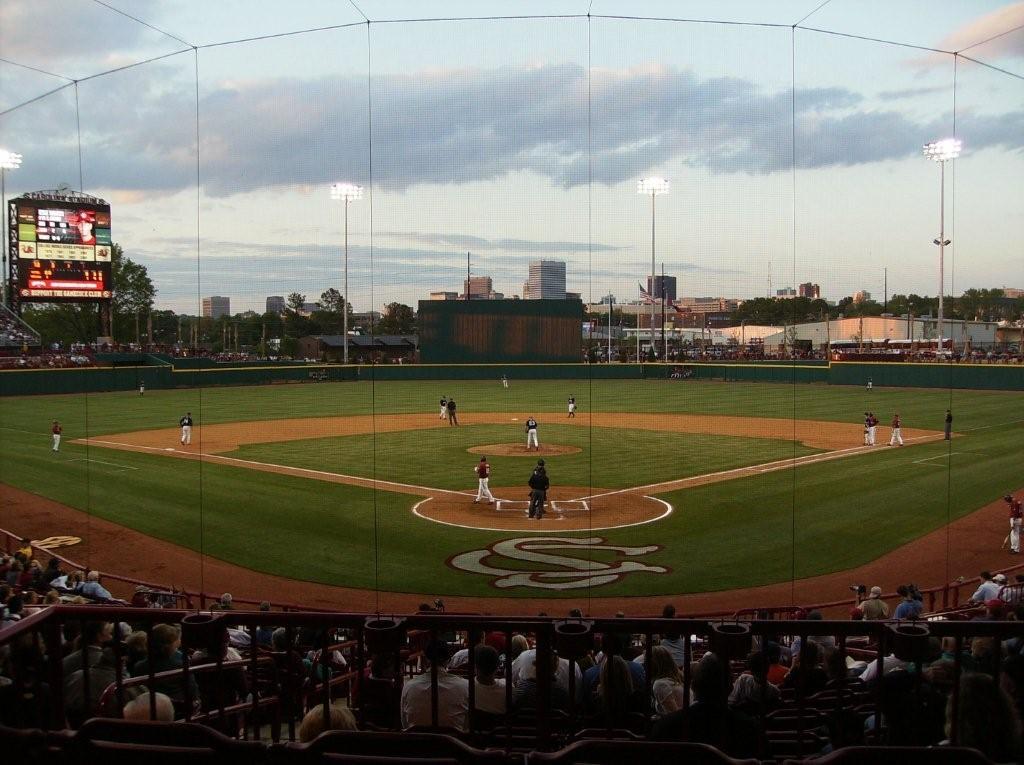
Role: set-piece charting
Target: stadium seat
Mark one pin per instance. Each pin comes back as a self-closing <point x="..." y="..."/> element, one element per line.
<point x="608" y="752"/>
<point x="154" y="743"/>
<point x="905" y="755"/>
<point x="385" y="747"/>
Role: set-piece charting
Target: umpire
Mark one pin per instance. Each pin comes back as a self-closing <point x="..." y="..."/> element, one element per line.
<point x="539" y="484"/>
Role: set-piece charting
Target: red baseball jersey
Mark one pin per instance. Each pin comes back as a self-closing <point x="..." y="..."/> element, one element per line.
<point x="57" y="430"/>
<point x="1016" y="510"/>
<point x="896" y="422"/>
<point x="483" y="470"/>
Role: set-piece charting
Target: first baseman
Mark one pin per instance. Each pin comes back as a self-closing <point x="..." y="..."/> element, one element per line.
<point x="483" y="473"/>
<point x="56" y="430"/>
<point x="186" y="428"/>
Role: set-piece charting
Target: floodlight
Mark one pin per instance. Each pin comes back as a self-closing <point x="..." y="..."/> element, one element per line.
<point x="940" y="151"/>
<point x="652" y="186"/>
<point x="347" y="191"/>
<point x="9" y="160"/>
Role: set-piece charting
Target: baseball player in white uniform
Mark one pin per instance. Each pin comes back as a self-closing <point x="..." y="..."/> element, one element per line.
<point x="531" y="435"/>
<point x="444" y="408"/>
<point x="572" y="406"/>
<point x="504" y="381"/>
<point x="186" y="428"/>
<point x="483" y="473"/>
<point x="57" y="430"/>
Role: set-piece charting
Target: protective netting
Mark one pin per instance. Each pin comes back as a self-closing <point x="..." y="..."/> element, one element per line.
<point x="482" y="145"/>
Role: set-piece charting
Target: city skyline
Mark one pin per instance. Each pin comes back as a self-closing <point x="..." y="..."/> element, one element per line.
<point x="530" y="136"/>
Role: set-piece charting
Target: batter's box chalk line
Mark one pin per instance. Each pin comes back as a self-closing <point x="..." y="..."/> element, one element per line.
<point x="554" y="506"/>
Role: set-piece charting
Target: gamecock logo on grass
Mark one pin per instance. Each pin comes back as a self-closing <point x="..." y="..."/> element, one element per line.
<point x="555" y="571"/>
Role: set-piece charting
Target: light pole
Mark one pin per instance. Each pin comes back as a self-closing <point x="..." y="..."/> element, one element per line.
<point x="653" y="187"/>
<point x="348" y="192"/>
<point x="941" y="152"/>
<point x="8" y="161"/>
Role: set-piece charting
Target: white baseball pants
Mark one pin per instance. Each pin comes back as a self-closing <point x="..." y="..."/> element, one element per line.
<point x="483" y="492"/>
<point x="531" y="439"/>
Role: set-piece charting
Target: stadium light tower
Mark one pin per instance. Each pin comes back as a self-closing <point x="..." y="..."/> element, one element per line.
<point x="8" y="161"/>
<point x="653" y="187"/>
<point x="347" y="192"/>
<point x="941" y="152"/>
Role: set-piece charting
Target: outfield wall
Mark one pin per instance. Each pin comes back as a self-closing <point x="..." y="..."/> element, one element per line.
<point x="196" y="374"/>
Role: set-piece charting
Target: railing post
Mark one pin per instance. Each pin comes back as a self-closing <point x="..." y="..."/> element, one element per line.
<point x="55" y="659"/>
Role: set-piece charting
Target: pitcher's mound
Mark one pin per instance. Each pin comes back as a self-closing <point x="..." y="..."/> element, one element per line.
<point x="519" y="450"/>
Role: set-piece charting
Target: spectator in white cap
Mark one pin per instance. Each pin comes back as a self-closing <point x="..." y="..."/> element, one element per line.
<point x="874" y="608"/>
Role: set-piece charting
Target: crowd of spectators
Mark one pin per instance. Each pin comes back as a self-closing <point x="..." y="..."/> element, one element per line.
<point x="620" y="681"/>
<point x="14" y="333"/>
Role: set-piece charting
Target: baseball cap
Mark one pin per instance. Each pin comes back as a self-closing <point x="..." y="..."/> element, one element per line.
<point x="876" y="592"/>
<point x="999" y="578"/>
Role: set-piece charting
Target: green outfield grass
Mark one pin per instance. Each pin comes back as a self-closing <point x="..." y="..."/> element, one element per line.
<point x="757" y="530"/>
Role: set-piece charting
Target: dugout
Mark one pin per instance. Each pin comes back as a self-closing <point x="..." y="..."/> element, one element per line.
<point x="500" y="331"/>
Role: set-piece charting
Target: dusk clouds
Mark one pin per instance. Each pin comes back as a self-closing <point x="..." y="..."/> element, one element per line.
<point x="471" y="125"/>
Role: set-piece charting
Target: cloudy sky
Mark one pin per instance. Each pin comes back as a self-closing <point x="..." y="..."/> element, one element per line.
<point x="517" y="139"/>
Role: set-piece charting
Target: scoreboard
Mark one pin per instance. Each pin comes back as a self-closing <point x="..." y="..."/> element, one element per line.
<point x="60" y="247"/>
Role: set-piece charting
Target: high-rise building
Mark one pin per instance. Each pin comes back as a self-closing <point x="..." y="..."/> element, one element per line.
<point x="275" y="304"/>
<point x="861" y="296"/>
<point x="664" y="286"/>
<point x="547" y="280"/>
<point x="477" y="288"/>
<point x="785" y="292"/>
<point x="809" y="290"/>
<point x="444" y="295"/>
<point x="216" y="306"/>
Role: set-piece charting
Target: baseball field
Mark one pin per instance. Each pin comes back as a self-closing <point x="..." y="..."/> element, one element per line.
<point x="659" y="487"/>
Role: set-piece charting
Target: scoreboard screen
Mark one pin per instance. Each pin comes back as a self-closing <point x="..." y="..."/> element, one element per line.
<point x="63" y="250"/>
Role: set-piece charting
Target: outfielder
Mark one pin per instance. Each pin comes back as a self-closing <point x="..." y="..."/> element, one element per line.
<point x="531" y="434"/>
<point x="1016" y="515"/>
<point x="897" y="436"/>
<point x="572" y="406"/>
<point x="483" y="473"/>
<point x="504" y="381"/>
<point x="444" y="408"/>
<point x="56" y="430"/>
<point x="186" y="428"/>
<point x="869" y="385"/>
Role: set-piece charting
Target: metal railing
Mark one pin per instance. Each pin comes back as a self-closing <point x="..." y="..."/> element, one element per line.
<point x="359" y="637"/>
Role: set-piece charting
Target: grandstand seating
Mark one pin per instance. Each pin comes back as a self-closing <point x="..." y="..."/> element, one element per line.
<point x="288" y="680"/>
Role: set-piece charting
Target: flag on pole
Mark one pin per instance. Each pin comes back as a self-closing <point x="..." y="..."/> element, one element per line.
<point x="645" y="296"/>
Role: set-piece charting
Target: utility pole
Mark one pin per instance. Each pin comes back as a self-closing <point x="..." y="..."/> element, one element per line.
<point x="467" y="276"/>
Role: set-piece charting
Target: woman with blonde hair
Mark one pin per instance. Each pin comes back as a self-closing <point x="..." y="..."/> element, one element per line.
<point x="666" y="682"/>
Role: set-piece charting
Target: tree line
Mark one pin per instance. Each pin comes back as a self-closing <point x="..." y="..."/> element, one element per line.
<point x="131" y="318"/>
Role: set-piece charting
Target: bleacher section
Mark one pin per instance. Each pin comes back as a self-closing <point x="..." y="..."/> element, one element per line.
<point x="247" y="684"/>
